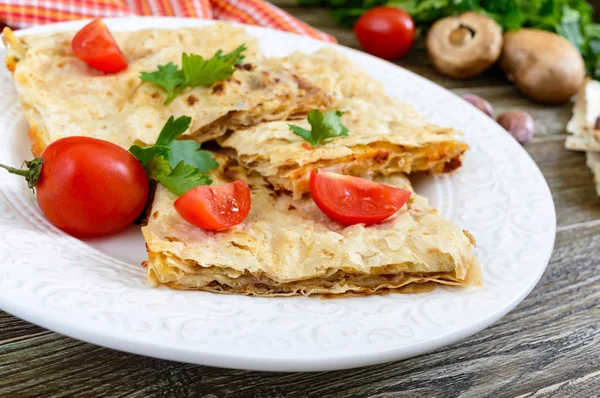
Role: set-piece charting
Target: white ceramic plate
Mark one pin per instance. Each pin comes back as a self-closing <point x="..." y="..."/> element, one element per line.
<point x="96" y="290"/>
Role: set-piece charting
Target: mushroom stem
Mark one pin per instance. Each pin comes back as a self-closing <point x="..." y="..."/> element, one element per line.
<point x="461" y="35"/>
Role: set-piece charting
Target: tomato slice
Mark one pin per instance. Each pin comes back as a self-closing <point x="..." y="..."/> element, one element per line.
<point x="215" y="208"/>
<point x="352" y="200"/>
<point x="94" y="45"/>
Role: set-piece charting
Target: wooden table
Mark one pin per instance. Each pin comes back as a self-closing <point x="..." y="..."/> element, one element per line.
<point x="548" y="346"/>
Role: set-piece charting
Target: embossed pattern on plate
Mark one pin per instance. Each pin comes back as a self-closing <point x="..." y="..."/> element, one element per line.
<point x="96" y="291"/>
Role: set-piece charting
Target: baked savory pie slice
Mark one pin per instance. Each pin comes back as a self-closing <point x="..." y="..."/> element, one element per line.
<point x="384" y="138"/>
<point x="289" y="247"/>
<point x="62" y="96"/>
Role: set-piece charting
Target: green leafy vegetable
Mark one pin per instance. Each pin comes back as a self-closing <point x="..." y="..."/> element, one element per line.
<point x="592" y="50"/>
<point x="169" y="77"/>
<point x="173" y="129"/>
<point x="572" y="19"/>
<point x="569" y="27"/>
<point x="195" y="71"/>
<point x="234" y="57"/>
<point x="177" y="165"/>
<point x="190" y="153"/>
<point x="183" y="178"/>
<point x="323" y="127"/>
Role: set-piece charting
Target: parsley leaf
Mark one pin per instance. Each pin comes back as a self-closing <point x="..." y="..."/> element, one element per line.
<point x="195" y="71"/>
<point x="592" y="50"/>
<point x="323" y="127"/>
<point x="147" y="154"/>
<point x="158" y="166"/>
<point x="569" y="27"/>
<point x="234" y="57"/>
<point x="173" y="129"/>
<point x="177" y="165"/>
<point x="169" y="77"/>
<point x="201" y="72"/>
<point x="190" y="153"/>
<point x="183" y="178"/>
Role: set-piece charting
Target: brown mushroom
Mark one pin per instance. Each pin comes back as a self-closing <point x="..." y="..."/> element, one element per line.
<point x="543" y="65"/>
<point x="465" y="45"/>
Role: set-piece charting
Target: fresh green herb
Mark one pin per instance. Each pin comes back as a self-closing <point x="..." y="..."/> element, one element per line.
<point x="323" y="127"/>
<point x="177" y="165"/>
<point x="190" y="153"/>
<point x="183" y="178"/>
<point x="169" y="77"/>
<point x="592" y="50"/>
<point x="195" y="71"/>
<point x="572" y="19"/>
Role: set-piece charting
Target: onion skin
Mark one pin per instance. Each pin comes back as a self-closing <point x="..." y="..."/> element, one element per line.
<point x="480" y="103"/>
<point x="519" y="124"/>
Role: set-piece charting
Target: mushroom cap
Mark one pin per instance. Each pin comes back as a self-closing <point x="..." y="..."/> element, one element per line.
<point x="544" y="66"/>
<point x="465" y="45"/>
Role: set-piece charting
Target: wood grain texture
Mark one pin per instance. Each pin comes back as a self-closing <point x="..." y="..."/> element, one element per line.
<point x="549" y="346"/>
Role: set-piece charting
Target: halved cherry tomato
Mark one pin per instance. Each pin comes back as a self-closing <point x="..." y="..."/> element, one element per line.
<point x="386" y="32"/>
<point x="352" y="200"/>
<point x="94" y="45"/>
<point x="215" y="208"/>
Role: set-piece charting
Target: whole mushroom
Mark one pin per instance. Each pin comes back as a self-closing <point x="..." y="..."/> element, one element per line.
<point x="465" y="45"/>
<point x="543" y="65"/>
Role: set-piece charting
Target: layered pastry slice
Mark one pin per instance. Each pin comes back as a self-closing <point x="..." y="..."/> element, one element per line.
<point x="383" y="138"/>
<point x="289" y="247"/>
<point x="62" y="96"/>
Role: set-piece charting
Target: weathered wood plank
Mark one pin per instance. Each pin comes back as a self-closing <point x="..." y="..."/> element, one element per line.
<point x="569" y="179"/>
<point x="13" y="328"/>
<point x="570" y="388"/>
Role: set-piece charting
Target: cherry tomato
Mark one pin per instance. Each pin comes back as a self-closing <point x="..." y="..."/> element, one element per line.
<point x="94" y="45"/>
<point x="352" y="200"/>
<point x="215" y="208"/>
<point x="89" y="187"/>
<point x="386" y="32"/>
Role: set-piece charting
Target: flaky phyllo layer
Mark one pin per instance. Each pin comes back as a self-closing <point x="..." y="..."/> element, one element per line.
<point x="385" y="137"/>
<point x="62" y="96"/>
<point x="288" y="247"/>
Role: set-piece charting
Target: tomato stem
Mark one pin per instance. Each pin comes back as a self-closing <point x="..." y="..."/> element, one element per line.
<point x="31" y="174"/>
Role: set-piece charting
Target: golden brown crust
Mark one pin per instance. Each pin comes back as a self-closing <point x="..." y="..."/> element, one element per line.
<point x="11" y="63"/>
<point x="38" y="143"/>
<point x="338" y="284"/>
<point x="15" y="47"/>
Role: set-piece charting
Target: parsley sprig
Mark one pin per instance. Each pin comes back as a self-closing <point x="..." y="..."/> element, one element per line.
<point x="323" y="127"/>
<point x="178" y="165"/>
<point x="195" y="71"/>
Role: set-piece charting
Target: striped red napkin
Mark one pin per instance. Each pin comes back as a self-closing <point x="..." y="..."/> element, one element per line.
<point x="25" y="13"/>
